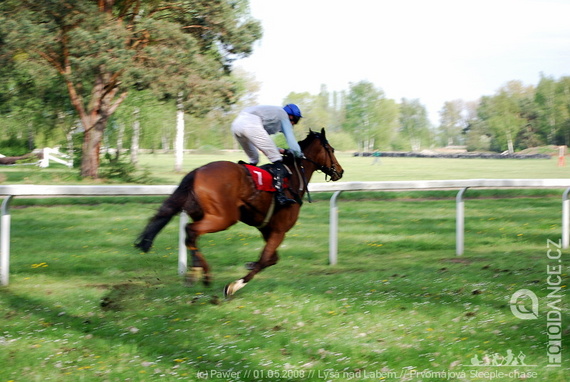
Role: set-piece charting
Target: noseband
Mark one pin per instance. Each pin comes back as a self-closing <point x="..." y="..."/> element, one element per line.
<point x="328" y="171"/>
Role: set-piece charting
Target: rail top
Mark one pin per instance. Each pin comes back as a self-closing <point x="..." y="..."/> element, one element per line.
<point x="96" y="190"/>
<point x="63" y="190"/>
<point x="440" y="184"/>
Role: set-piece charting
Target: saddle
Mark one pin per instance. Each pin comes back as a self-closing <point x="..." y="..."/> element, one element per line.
<point x="262" y="177"/>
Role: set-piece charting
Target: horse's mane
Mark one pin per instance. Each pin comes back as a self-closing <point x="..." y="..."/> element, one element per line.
<point x="311" y="137"/>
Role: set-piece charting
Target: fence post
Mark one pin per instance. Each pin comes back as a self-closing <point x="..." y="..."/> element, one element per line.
<point x="44" y="162"/>
<point x="460" y="222"/>
<point x="182" y="252"/>
<point x="333" y="229"/>
<point x="5" y="241"/>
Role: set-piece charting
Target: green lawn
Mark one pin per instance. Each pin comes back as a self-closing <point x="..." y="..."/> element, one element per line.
<point x="89" y="307"/>
<point x="84" y="305"/>
<point x="161" y="166"/>
<point x="362" y="169"/>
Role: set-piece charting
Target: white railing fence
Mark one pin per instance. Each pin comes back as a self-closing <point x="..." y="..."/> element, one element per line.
<point x="11" y="191"/>
<point x="55" y="156"/>
<point x="48" y="154"/>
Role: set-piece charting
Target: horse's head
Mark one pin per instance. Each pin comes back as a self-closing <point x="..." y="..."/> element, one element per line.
<point x="318" y="151"/>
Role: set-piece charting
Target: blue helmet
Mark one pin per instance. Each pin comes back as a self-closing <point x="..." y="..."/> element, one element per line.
<point x="293" y="110"/>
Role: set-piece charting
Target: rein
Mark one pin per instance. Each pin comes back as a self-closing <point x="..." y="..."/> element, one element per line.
<point x="328" y="171"/>
<point x="303" y="178"/>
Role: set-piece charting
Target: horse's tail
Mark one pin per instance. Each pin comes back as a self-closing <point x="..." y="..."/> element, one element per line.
<point x="169" y="208"/>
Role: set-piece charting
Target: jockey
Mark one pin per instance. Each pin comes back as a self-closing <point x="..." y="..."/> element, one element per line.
<point x="252" y="128"/>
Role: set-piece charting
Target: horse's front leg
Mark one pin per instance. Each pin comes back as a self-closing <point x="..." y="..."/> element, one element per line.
<point x="268" y="258"/>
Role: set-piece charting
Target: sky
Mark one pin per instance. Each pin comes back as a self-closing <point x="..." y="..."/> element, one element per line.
<point x="432" y="50"/>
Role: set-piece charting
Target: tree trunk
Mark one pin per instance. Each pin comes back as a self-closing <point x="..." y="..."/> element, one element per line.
<point x="135" y="139"/>
<point x="179" y="142"/>
<point x="69" y="138"/>
<point x="94" y="117"/>
<point x="91" y="149"/>
<point x="120" y="135"/>
<point x="510" y="145"/>
<point x="165" y="142"/>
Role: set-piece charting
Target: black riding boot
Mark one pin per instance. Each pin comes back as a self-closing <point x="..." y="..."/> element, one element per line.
<point x="279" y="172"/>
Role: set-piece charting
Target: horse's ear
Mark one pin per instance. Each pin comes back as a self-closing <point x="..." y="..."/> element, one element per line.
<point x="323" y="132"/>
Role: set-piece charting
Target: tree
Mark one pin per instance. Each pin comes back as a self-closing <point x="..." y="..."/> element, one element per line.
<point x="564" y="108"/>
<point x="369" y="115"/>
<point x="552" y="101"/>
<point x="506" y="113"/>
<point x="546" y="98"/>
<point x="477" y="137"/>
<point x="452" y="122"/>
<point x="414" y="124"/>
<point x="100" y="50"/>
<point x="316" y="109"/>
<point x="156" y="119"/>
<point x="387" y="115"/>
<point x="323" y="110"/>
<point x="28" y="99"/>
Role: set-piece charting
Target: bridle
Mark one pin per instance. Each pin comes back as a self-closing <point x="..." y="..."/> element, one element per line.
<point x="328" y="171"/>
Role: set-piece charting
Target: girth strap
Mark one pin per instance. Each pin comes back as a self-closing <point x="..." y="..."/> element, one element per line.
<point x="268" y="215"/>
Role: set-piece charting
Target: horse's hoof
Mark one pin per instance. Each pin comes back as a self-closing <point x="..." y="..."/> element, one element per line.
<point x="250" y="265"/>
<point x="193" y="276"/>
<point x="232" y="288"/>
<point x="188" y="280"/>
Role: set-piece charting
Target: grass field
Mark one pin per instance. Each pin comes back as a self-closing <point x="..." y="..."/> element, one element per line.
<point x="84" y="305"/>
<point x="356" y="169"/>
<point x="362" y="169"/>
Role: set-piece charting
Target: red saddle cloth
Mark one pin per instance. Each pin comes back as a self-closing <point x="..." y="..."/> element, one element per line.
<point x="262" y="178"/>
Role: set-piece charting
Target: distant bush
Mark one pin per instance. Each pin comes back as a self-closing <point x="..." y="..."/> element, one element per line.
<point x="13" y="147"/>
<point x="118" y="168"/>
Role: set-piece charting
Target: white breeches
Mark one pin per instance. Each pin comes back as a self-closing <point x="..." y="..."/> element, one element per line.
<point x="249" y="132"/>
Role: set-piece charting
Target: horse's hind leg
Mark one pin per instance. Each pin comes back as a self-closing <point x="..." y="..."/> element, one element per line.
<point x="268" y="258"/>
<point x="200" y="267"/>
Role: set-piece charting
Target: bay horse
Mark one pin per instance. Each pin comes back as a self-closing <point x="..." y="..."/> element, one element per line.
<point x="219" y="194"/>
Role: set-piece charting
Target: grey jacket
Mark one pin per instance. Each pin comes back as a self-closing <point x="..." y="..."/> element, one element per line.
<point x="275" y="120"/>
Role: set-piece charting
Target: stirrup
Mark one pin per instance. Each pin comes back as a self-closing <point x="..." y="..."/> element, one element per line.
<point x="283" y="200"/>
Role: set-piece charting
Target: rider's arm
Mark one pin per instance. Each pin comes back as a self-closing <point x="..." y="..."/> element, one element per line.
<point x="287" y="130"/>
